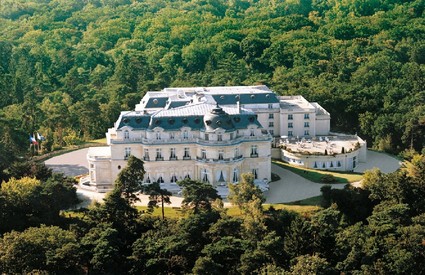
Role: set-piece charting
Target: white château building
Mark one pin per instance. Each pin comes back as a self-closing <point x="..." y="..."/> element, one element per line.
<point x="209" y="134"/>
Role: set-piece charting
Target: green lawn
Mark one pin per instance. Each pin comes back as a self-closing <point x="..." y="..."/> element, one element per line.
<point x="316" y="175"/>
<point x="98" y="141"/>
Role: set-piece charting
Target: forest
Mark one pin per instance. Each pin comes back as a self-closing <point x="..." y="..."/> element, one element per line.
<point x="377" y="229"/>
<point x="68" y="67"/>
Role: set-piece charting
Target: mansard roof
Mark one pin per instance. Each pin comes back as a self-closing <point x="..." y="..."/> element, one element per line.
<point x="176" y="97"/>
<point x="198" y="116"/>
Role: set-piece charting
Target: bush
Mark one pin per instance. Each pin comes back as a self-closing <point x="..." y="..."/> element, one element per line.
<point x="328" y="178"/>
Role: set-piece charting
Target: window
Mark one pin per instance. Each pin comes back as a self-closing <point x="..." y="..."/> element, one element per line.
<point x="306" y="133"/>
<point x="203" y="154"/>
<point x="186" y="153"/>
<point x="220" y="154"/>
<point x="158" y="135"/>
<point x="173" y="154"/>
<point x="127" y="152"/>
<point x="91" y="165"/>
<point x="231" y="136"/>
<point x="172" y="135"/>
<point x="236" y="152"/>
<point x="159" y="154"/>
<point x="252" y="133"/>
<point x="271" y="116"/>
<point x="271" y="124"/>
<point x="254" y="152"/>
<point x="207" y="137"/>
<point x="290" y="117"/>
<point x="290" y="125"/>
<point x="148" y="179"/>
<point x="306" y="116"/>
<point x="219" y="137"/>
<point x="255" y="173"/>
<point x="306" y="124"/>
<point x="354" y="162"/>
<point x="271" y="132"/>
<point x="270" y="106"/>
<point x="221" y="178"/>
<point x="146" y="154"/>
<point x="160" y="179"/>
<point x="173" y="178"/>
<point x="290" y="134"/>
<point x="204" y="175"/>
<point x="235" y="175"/>
<point x="185" y="134"/>
<point x="126" y="134"/>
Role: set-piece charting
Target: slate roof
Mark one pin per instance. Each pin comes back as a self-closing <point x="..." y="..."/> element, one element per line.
<point x="176" y="97"/>
<point x="188" y="116"/>
<point x="257" y="98"/>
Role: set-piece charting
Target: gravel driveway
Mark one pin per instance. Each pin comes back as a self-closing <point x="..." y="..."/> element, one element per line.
<point x="289" y="188"/>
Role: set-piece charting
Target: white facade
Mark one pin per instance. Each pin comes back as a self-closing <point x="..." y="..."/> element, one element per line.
<point x="209" y="134"/>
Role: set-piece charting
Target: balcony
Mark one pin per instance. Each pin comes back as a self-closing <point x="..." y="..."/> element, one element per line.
<point x="146" y="158"/>
<point x="237" y="140"/>
<point x="187" y="158"/>
<point x="255" y="155"/>
<point x="159" y="158"/>
<point x="225" y="160"/>
<point x="173" y="158"/>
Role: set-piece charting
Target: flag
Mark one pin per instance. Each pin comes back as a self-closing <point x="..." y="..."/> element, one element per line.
<point x="40" y="137"/>
<point x="33" y="140"/>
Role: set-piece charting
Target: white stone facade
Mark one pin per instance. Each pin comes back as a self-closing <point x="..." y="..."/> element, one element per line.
<point x="209" y="134"/>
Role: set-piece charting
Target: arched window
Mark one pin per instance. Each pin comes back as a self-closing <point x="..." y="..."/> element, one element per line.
<point x="235" y="175"/>
<point x="204" y="176"/>
<point x="255" y="173"/>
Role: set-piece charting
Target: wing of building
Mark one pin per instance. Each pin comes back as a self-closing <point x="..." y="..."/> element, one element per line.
<point x="211" y="134"/>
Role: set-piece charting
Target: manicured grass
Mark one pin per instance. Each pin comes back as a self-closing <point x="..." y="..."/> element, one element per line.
<point x="169" y="212"/>
<point x="316" y="175"/>
<point x="175" y="213"/>
<point x="303" y="207"/>
<point x="99" y="141"/>
<point x="313" y="201"/>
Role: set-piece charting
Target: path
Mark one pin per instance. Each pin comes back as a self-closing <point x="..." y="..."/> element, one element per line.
<point x="71" y="164"/>
<point x="292" y="187"/>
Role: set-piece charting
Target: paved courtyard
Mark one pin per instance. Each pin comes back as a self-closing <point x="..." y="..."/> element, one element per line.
<point x="289" y="188"/>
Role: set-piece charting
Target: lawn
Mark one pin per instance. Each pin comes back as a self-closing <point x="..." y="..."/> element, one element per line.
<point x="303" y="207"/>
<point x="316" y="175"/>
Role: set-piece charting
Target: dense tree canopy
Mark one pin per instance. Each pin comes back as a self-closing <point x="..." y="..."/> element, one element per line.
<point x="67" y="68"/>
<point x="385" y="237"/>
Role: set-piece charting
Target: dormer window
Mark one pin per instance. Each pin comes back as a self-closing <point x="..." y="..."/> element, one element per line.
<point x="219" y="137"/>
<point x="252" y="132"/>
<point x="158" y="135"/>
<point x="207" y="137"/>
<point x="126" y="134"/>
<point x="185" y="134"/>
<point x="172" y="135"/>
